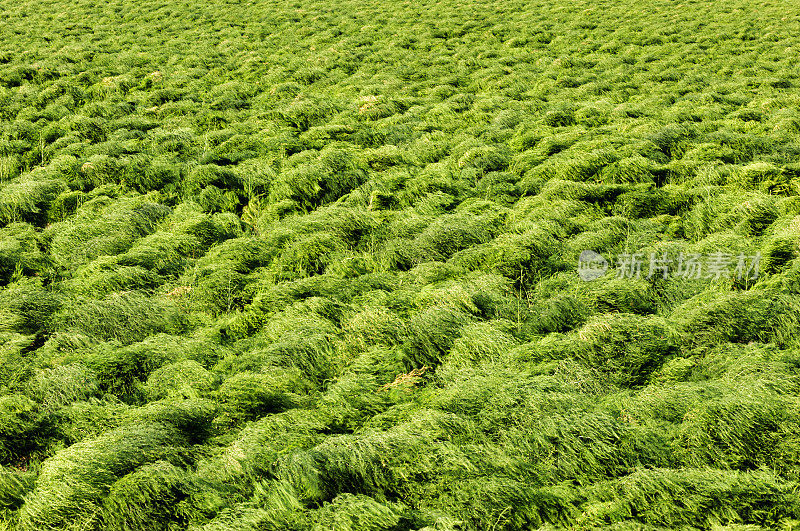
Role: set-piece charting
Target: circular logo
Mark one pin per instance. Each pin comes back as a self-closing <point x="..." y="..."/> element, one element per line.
<point x="591" y="265"/>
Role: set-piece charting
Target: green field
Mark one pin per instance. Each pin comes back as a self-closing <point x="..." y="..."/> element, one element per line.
<point x="320" y="265"/>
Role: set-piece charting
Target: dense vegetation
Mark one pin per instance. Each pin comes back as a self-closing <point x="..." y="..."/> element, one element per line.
<point x="312" y="265"/>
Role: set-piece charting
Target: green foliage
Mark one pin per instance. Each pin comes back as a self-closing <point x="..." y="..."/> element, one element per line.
<point x="125" y="317"/>
<point x="122" y="370"/>
<point x="736" y="432"/>
<point x="63" y="385"/>
<point x="622" y="295"/>
<point x="184" y="379"/>
<point x="513" y="254"/>
<point x="642" y="202"/>
<point x="307" y="256"/>
<point x="750" y="215"/>
<point x="721" y="497"/>
<point x="636" y="169"/>
<point x="312" y="265"/>
<point x="248" y="396"/>
<point x="28" y="306"/>
<point x="449" y="234"/>
<point x="21" y="252"/>
<point x="315" y="180"/>
<point x="625" y="347"/>
<point x="72" y="484"/>
<point x="162" y="253"/>
<point x="431" y="334"/>
<point x="158" y="495"/>
<point x="14" y="484"/>
<point x="782" y="245"/>
<point x="104" y="276"/>
<point x="355" y="511"/>
<point x="18" y="422"/>
<point x="103" y="227"/>
<point x="254" y="450"/>
<point x="739" y="317"/>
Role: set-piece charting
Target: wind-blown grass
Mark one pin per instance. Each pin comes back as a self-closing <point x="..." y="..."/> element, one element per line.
<point x="312" y="265"/>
